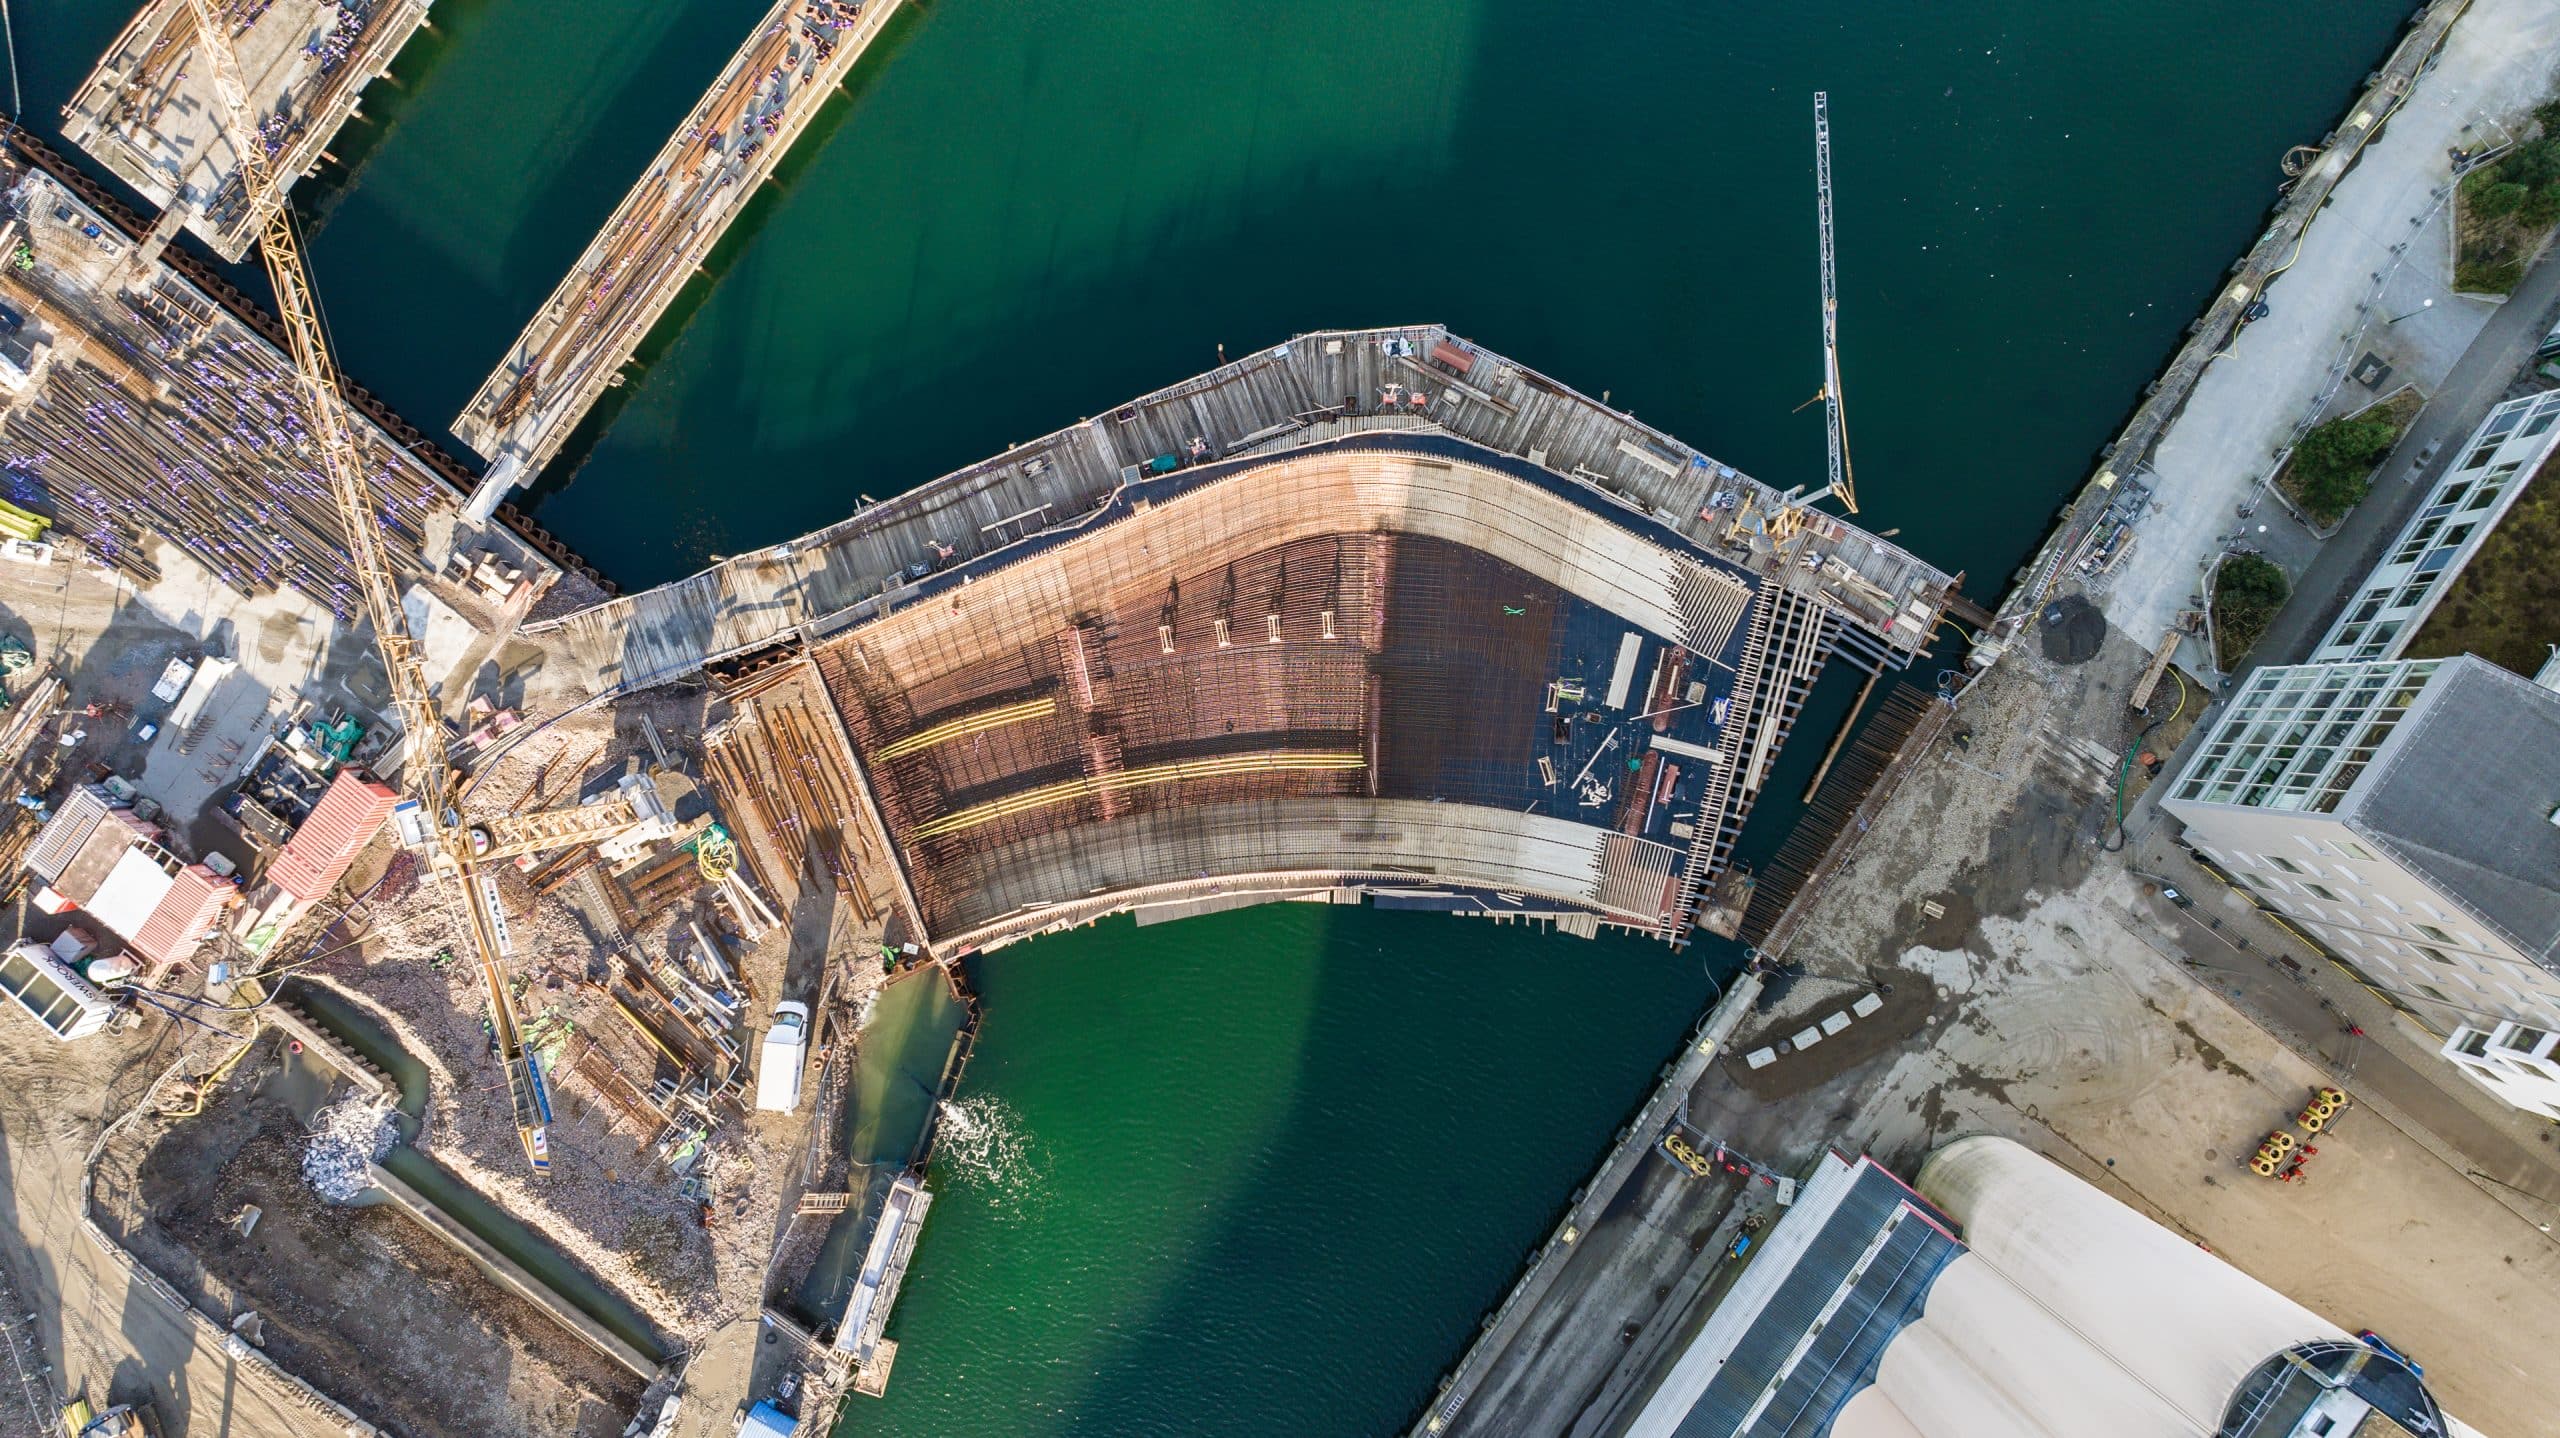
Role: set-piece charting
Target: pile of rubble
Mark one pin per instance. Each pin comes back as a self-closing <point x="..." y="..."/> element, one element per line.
<point x="346" y="1138"/>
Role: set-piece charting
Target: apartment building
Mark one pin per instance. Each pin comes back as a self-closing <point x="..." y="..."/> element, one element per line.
<point x="2477" y="490"/>
<point x="2402" y="813"/>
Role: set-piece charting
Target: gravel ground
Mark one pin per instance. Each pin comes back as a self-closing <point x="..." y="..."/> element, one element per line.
<point x="360" y="1302"/>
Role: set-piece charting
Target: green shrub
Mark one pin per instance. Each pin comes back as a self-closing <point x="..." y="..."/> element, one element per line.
<point x="2247" y="592"/>
<point x="2333" y="466"/>
<point x="2497" y="201"/>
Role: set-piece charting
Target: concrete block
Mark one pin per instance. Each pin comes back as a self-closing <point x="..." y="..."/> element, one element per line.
<point x="1760" y="1058"/>
<point x="1866" y="1005"/>
<point x="1834" y="1023"/>
<point x="1806" y="1038"/>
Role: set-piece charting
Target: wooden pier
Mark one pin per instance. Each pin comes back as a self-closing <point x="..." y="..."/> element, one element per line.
<point x="578" y="342"/>
<point x="150" y="114"/>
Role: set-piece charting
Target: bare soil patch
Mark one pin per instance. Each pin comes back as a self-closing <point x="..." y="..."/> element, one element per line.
<point x="360" y="1302"/>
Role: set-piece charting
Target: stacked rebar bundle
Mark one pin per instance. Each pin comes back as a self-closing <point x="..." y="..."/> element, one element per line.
<point x="778" y="763"/>
<point x="202" y="440"/>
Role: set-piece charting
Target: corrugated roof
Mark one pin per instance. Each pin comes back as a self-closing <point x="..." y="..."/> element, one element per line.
<point x="108" y="841"/>
<point x="68" y="829"/>
<point x="341" y="824"/>
<point x="1863" y="1276"/>
<point x="186" y="914"/>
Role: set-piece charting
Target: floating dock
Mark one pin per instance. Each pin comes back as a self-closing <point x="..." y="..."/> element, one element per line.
<point x="579" y="340"/>
<point x="150" y="112"/>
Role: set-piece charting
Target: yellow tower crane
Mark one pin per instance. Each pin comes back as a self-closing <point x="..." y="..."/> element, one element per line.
<point x="457" y="848"/>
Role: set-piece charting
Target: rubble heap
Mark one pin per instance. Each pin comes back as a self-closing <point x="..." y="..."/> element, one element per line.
<point x="346" y="1137"/>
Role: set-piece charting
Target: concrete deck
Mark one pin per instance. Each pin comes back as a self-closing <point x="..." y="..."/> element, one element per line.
<point x="1315" y="389"/>
<point x="150" y="113"/>
<point x="659" y="235"/>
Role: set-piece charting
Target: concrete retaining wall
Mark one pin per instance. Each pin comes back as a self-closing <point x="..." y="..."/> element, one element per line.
<point x="516" y="1278"/>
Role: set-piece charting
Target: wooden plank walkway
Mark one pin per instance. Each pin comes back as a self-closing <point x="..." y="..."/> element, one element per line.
<point x="577" y="343"/>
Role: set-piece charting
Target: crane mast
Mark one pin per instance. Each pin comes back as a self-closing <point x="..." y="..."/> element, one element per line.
<point x="425" y="774"/>
<point x="1835" y="423"/>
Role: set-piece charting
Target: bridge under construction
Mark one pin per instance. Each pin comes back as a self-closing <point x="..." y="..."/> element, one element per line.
<point x="149" y="112"/>
<point x="576" y="345"/>
<point x="1368" y="615"/>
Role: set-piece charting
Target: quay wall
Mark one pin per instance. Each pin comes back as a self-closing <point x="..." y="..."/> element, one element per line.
<point x="2212" y="331"/>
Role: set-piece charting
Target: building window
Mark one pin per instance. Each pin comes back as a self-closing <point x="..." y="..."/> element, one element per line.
<point x="2430" y="931"/>
<point x="2321" y="891"/>
<point x="2284" y="863"/>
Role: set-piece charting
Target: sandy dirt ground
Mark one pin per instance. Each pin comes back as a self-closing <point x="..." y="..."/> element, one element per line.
<point x="2048" y="1003"/>
<point x="361" y="1302"/>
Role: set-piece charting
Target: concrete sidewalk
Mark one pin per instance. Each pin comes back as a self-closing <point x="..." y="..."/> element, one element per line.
<point x="2487" y="373"/>
<point x="2500" y="59"/>
<point x="2303" y="999"/>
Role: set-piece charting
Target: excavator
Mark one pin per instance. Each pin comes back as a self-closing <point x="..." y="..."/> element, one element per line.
<point x="463" y="852"/>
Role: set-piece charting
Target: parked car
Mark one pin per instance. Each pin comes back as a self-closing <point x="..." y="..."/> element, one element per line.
<point x="786" y="1045"/>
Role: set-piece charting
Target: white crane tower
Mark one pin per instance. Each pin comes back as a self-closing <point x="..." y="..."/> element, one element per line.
<point x="1835" y="423"/>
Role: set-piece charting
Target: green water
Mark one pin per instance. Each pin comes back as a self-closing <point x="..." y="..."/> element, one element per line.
<point x="1259" y="1173"/>
<point x="1278" y="1162"/>
<point x="360" y="1031"/>
<point x="898" y="1067"/>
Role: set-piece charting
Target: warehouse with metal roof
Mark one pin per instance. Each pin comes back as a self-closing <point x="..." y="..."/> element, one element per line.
<point x="2003" y="1297"/>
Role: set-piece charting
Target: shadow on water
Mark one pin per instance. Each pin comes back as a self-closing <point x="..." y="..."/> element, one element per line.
<point x="532" y="126"/>
<point x="1289" y="1156"/>
<point x="385" y="104"/>
<point x="902" y="1055"/>
<point x="776" y="191"/>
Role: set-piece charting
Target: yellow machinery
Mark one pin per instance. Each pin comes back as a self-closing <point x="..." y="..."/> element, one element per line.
<point x="124" y="1420"/>
<point x="1687" y="1157"/>
<point x="425" y="774"/>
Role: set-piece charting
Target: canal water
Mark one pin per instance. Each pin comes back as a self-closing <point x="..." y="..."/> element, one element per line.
<point x="1261" y="1172"/>
<point x="898" y="1066"/>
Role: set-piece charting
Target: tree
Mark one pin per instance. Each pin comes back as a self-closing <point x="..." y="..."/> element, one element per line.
<point x="2333" y="466"/>
<point x="2249" y="583"/>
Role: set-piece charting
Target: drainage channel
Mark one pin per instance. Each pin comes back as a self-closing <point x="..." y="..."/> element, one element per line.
<point x="462" y="1203"/>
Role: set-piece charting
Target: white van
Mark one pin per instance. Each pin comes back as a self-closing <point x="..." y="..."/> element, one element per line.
<point x="786" y="1045"/>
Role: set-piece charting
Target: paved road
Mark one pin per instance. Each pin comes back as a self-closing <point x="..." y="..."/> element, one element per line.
<point x="2481" y="378"/>
<point x="2231" y="946"/>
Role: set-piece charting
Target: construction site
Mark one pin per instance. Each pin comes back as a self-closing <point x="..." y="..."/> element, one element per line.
<point x="150" y="112"/>
<point x="244" y="620"/>
<point x="657" y="239"/>
<point x="568" y="981"/>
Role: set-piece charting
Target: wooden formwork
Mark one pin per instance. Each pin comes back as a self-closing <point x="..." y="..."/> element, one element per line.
<point x="777" y="768"/>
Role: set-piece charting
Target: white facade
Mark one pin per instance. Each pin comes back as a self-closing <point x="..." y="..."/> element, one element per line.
<point x="2283" y="797"/>
<point x="52" y="992"/>
<point x="2518" y="1062"/>
<point x="2430" y="551"/>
